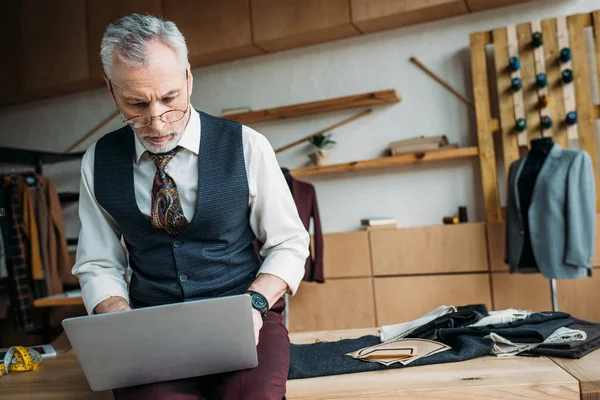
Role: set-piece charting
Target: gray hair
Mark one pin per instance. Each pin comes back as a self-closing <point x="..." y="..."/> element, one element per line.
<point x="130" y="35"/>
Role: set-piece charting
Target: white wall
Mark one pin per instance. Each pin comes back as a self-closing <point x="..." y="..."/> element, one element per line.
<point x="419" y="195"/>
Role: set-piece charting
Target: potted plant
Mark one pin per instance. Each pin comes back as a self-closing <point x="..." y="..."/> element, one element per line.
<point x="321" y="155"/>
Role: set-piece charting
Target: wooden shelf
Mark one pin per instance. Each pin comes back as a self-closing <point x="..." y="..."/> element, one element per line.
<point x="384" y="162"/>
<point x="316" y="107"/>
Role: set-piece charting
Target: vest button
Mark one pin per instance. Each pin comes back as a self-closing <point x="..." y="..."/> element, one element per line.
<point x="183" y="278"/>
<point x="176" y="243"/>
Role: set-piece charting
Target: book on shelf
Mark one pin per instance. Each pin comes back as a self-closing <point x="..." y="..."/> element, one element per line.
<point x="419" y="144"/>
<point x="380" y="227"/>
<point x="378" y="221"/>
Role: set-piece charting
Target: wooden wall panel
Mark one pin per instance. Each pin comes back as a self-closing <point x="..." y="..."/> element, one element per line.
<point x="481" y="5"/>
<point x="335" y="304"/>
<point x="215" y="31"/>
<point x="101" y="13"/>
<point x="54" y="44"/>
<point x="522" y="291"/>
<point x="346" y="255"/>
<point x="580" y="297"/>
<point x="372" y="16"/>
<point x="400" y="299"/>
<point x="281" y="25"/>
<point x="496" y="238"/>
<point x="430" y="249"/>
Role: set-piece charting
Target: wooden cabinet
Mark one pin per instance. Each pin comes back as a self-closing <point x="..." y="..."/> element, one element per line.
<point x="346" y="255"/>
<point x="401" y="299"/>
<point x="10" y="67"/>
<point x="101" y="13"/>
<point x="54" y="57"/>
<point x="280" y="25"/>
<point x="215" y="31"/>
<point x="579" y="297"/>
<point x="429" y="249"/>
<point x="496" y="239"/>
<point x="335" y="304"/>
<point x="378" y="15"/>
<point x="481" y="5"/>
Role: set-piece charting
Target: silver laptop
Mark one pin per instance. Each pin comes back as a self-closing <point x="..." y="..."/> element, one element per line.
<point x="163" y="343"/>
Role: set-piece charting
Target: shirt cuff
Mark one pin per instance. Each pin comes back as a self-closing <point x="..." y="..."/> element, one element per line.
<point x="100" y="288"/>
<point x="287" y="267"/>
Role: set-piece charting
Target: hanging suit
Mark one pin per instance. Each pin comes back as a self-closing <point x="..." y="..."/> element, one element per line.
<point x="561" y="216"/>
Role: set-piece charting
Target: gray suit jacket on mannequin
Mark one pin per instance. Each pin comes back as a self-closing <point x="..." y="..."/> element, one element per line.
<point x="562" y="215"/>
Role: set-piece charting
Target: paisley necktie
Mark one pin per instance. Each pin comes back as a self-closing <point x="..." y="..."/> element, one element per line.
<point x="167" y="212"/>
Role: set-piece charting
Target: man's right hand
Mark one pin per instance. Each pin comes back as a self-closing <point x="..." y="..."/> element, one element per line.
<point x="112" y="304"/>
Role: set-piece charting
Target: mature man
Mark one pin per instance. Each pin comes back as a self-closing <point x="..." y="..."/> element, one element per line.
<point x="188" y="193"/>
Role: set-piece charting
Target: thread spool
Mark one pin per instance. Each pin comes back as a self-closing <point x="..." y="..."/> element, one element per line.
<point x="567" y="76"/>
<point x="546" y="122"/>
<point x="537" y="39"/>
<point x="565" y="54"/>
<point x="521" y="125"/>
<point x="571" y="118"/>
<point x="450" y="220"/>
<point x="516" y="84"/>
<point x="514" y="64"/>
<point x="541" y="80"/>
<point x="462" y="214"/>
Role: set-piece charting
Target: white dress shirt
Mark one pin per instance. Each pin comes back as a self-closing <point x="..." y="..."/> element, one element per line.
<point x="101" y="261"/>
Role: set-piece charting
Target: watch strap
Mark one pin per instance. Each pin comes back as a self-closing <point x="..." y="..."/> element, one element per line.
<point x="264" y="310"/>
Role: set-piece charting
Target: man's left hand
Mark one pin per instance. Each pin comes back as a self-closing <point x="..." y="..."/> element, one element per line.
<point x="258" y="323"/>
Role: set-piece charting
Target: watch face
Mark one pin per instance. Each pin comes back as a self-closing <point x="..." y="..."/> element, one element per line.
<point x="259" y="302"/>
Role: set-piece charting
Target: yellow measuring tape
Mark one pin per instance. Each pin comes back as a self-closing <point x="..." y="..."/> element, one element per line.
<point x="19" y="359"/>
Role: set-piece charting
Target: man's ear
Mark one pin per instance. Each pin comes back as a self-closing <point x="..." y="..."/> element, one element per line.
<point x="109" y="86"/>
<point x="190" y="79"/>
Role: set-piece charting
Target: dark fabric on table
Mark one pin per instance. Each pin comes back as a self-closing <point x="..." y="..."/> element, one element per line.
<point x="463" y="316"/>
<point x="574" y="349"/>
<point x="533" y="329"/>
<point x="329" y="358"/>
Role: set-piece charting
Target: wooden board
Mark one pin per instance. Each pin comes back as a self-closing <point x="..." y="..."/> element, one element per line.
<point x="496" y="245"/>
<point x="387" y="162"/>
<point x="401" y="299"/>
<point x="215" y="31"/>
<point x="101" y="13"/>
<point x="388" y="96"/>
<point x="530" y="97"/>
<point x="585" y="370"/>
<point x="487" y="158"/>
<point x="506" y="103"/>
<point x="481" y="378"/>
<point x="555" y="93"/>
<point x="372" y="16"/>
<point x="54" y="45"/>
<point x="59" y="300"/>
<point x="317" y="306"/>
<point x="481" y="5"/>
<point x="346" y="255"/>
<point x="429" y="250"/>
<point x="587" y="141"/>
<point x="281" y="25"/>
<point x="522" y="291"/>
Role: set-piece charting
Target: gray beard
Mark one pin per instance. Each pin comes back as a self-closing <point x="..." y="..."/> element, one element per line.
<point x="162" y="147"/>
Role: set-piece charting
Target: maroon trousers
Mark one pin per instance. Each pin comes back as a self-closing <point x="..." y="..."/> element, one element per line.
<point x="265" y="382"/>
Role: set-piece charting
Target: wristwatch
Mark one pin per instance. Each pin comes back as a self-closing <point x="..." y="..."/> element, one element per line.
<point x="259" y="302"/>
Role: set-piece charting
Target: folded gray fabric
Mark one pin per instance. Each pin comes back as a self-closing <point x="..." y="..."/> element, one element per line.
<point x="329" y="358"/>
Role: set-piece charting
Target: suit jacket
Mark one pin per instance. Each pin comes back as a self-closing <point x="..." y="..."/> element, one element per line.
<point x="562" y="215"/>
<point x="305" y="198"/>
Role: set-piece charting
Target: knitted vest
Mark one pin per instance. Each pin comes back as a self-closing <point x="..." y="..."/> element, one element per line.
<point x="214" y="256"/>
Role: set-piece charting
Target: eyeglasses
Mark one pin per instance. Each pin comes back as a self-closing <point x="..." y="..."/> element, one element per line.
<point x="169" y="116"/>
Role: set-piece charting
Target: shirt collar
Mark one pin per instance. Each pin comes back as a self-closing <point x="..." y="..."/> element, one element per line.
<point x="190" y="139"/>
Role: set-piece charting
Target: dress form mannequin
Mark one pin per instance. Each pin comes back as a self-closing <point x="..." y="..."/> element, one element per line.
<point x="535" y="159"/>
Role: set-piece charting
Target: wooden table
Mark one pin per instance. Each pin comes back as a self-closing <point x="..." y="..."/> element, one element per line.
<point x="487" y="378"/>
